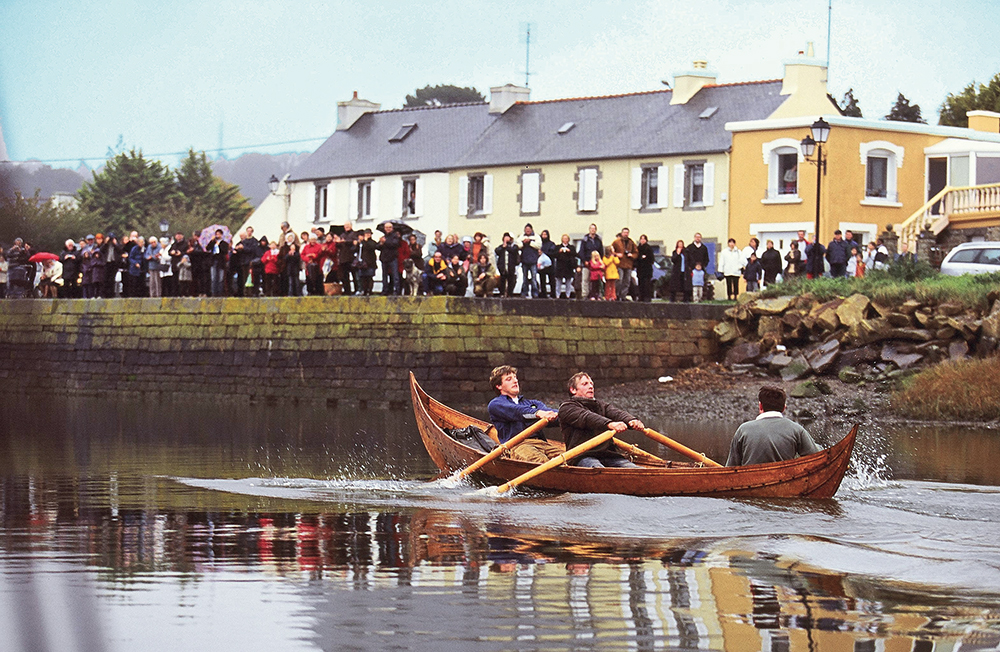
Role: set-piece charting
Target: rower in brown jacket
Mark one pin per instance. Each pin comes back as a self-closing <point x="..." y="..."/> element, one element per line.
<point x="582" y="417"/>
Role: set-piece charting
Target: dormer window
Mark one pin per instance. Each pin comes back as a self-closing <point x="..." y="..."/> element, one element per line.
<point x="403" y="132"/>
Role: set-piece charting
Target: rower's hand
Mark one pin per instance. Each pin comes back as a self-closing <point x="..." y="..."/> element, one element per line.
<point x="617" y="426"/>
<point x="635" y="424"/>
<point x="547" y="414"/>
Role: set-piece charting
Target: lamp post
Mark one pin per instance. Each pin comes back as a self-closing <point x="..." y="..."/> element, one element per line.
<point x="273" y="184"/>
<point x="813" y="143"/>
<point x="164" y="226"/>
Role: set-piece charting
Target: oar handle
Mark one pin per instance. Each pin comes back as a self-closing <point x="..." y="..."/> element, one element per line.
<point x="502" y="448"/>
<point x="680" y="448"/>
<point x="635" y="450"/>
<point x="558" y="460"/>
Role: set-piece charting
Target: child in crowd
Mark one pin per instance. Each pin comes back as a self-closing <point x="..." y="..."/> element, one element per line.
<point x="859" y="266"/>
<point x="753" y="273"/>
<point x="611" y="275"/>
<point x="596" y="267"/>
<point x="184" y="276"/>
<point x="697" y="282"/>
<point x="272" y="272"/>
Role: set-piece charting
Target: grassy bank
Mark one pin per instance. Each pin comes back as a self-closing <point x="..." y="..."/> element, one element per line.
<point x="898" y="284"/>
<point x="965" y="390"/>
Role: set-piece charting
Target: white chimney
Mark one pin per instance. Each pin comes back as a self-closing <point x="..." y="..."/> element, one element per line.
<point x="504" y="97"/>
<point x="687" y="83"/>
<point x="349" y="112"/>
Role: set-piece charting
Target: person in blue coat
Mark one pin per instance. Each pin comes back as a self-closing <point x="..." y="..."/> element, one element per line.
<point x="837" y="254"/>
<point x="511" y="413"/>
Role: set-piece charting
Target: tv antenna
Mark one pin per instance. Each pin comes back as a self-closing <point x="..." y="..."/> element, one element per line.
<point x="526" y="28"/>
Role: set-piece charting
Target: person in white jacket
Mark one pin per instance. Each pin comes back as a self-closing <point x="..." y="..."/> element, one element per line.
<point x="731" y="266"/>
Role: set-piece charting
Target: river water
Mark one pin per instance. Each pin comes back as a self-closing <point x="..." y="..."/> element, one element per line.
<point x="136" y="525"/>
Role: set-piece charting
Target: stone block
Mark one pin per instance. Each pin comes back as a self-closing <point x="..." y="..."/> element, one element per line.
<point x="821" y="358"/>
<point x="775" y="306"/>
<point x="853" y="309"/>
<point x="798" y="368"/>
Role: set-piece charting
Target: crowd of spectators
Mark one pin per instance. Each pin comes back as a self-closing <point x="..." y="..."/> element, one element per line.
<point x="347" y="262"/>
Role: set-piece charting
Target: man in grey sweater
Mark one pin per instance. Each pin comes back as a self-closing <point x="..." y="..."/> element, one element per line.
<point x="771" y="437"/>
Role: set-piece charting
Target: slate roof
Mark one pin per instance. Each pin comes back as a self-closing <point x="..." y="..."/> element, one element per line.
<point x="443" y="136"/>
<point x="638" y="125"/>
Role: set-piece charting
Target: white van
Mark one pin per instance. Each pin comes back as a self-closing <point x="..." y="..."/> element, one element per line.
<point x="972" y="258"/>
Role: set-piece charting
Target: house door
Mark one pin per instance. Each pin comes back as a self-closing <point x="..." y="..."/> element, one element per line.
<point x="937" y="179"/>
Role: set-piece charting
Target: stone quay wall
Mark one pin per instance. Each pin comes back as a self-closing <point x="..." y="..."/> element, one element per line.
<point x="351" y="349"/>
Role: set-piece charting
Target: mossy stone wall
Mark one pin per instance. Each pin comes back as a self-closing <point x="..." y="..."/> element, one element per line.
<point x="353" y="349"/>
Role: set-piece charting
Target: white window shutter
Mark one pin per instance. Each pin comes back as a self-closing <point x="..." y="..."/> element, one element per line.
<point x="374" y="192"/>
<point x="529" y="192"/>
<point x="488" y="194"/>
<point x="418" y="204"/>
<point x="353" y="199"/>
<point x="636" y="188"/>
<point x="581" y="191"/>
<point x="662" y="181"/>
<point x="708" y="187"/>
<point x="463" y="195"/>
<point x="679" y="185"/>
<point x="588" y="189"/>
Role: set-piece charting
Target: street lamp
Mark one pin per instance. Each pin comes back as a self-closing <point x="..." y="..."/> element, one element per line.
<point x="164" y="225"/>
<point x="272" y="184"/>
<point x="813" y="143"/>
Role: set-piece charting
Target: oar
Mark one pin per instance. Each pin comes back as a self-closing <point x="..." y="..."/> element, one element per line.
<point x="680" y="448"/>
<point x="452" y="481"/>
<point x="558" y="460"/>
<point x="635" y="450"/>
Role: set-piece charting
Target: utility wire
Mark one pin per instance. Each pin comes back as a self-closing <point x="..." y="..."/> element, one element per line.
<point x="224" y="149"/>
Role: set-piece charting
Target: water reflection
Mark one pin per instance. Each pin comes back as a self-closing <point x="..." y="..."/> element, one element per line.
<point x="538" y="590"/>
<point x="133" y="519"/>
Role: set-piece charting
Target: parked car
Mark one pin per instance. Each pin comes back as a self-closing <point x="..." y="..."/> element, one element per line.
<point x="972" y="258"/>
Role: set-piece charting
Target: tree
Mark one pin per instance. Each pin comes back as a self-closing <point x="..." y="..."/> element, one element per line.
<point x="849" y="106"/>
<point x="39" y="222"/>
<point x="130" y="192"/>
<point x="442" y="94"/>
<point x="203" y="192"/>
<point x="903" y="111"/>
<point x="984" y="98"/>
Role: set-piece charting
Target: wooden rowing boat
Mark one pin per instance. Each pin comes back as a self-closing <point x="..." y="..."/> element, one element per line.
<point x="812" y="476"/>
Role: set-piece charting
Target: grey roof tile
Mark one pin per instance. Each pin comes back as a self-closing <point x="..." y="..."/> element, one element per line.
<point x="638" y="125"/>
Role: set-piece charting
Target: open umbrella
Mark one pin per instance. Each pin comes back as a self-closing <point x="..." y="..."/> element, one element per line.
<point x="42" y="256"/>
<point x="208" y="233"/>
<point x="401" y="228"/>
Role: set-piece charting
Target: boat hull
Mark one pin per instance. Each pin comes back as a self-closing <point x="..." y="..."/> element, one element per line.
<point x="813" y="476"/>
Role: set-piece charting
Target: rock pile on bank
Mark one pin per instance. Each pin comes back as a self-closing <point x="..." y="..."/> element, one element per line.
<point x="854" y="338"/>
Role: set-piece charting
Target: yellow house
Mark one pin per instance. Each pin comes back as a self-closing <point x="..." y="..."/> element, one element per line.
<point x="877" y="174"/>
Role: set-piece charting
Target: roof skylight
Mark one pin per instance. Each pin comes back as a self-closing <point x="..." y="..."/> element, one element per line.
<point x="566" y="127"/>
<point x="403" y="132"/>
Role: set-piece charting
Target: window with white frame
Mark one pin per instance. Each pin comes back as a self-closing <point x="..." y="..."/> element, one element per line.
<point x="881" y="159"/>
<point x="694" y="184"/>
<point x="412" y="196"/>
<point x="877" y="176"/>
<point x="475" y="194"/>
<point x="364" y="199"/>
<point x="587" y="190"/>
<point x="782" y="158"/>
<point x="648" y="187"/>
<point x="322" y="196"/>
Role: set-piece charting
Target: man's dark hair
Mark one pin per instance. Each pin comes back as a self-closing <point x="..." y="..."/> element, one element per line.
<point x="571" y="384"/>
<point x="837" y="232"/>
<point x="772" y="398"/>
<point x="496" y="376"/>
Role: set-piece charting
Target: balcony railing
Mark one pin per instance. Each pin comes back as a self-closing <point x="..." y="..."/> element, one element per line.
<point x="964" y="202"/>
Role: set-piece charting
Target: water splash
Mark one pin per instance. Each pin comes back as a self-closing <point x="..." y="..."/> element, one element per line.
<point x="869" y="468"/>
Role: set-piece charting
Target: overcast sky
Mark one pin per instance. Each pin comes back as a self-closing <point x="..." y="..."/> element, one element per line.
<point x="165" y="76"/>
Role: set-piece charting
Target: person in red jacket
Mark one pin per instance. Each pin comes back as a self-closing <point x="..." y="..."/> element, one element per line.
<point x="311" y="253"/>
